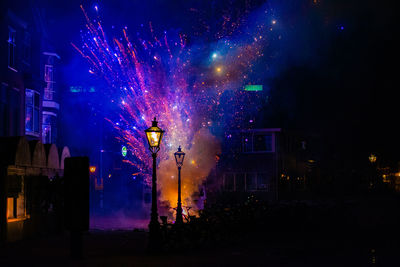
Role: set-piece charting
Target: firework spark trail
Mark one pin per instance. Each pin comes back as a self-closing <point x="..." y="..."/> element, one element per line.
<point x="150" y="78"/>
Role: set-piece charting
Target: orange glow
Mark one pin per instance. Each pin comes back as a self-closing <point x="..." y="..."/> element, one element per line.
<point x="218" y="69"/>
<point x="200" y="160"/>
<point x="92" y="169"/>
<point x="10" y="207"/>
<point x="372" y="158"/>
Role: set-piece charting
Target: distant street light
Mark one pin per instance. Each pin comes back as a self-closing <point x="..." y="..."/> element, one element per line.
<point x="372" y="158"/>
<point x="372" y="182"/>
<point x="179" y="157"/>
<point x="154" y="135"/>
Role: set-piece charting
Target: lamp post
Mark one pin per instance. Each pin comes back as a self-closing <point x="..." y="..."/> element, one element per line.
<point x="154" y="135"/>
<point x="179" y="157"/>
<point x="372" y="160"/>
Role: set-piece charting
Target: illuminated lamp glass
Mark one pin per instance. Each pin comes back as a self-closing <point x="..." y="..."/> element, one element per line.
<point x="92" y="169"/>
<point x="154" y="135"/>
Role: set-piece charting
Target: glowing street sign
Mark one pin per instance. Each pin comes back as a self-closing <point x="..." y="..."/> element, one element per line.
<point x="81" y="89"/>
<point x="124" y="151"/>
<point x="253" y="88"/>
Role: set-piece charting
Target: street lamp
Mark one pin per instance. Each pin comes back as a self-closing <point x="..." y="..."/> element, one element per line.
<point x="179" y="157"/>
<point x="372" y="158"/>
<point x="154" y="135"/>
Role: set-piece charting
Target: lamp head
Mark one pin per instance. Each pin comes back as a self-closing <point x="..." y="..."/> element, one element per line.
<point x="372" y="158"/>
<point x="154" y="135"/>
<point x="179" y="157"/>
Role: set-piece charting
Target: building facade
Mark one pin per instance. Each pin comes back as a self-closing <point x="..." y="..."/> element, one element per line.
<point x="30" y="187"/>
<point x="268" y="163"/>
<point x="250" y="163"/>
<point x="28" y="93"/>
<point x="30" y="163"/>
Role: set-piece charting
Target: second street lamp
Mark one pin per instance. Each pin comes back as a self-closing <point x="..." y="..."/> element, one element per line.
<point x="154" y="135"/>
<point x="179" y="157"/>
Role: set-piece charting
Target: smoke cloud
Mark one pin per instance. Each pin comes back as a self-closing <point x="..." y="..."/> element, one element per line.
<point x="199" y="161"/>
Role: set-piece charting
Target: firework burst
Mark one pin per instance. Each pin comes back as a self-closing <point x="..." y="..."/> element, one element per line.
<point x="158" y="78"/>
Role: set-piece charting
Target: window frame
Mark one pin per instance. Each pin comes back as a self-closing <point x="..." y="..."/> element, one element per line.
<point x="49" y="80"/>
<point x="251" y="139"/>
<point x="35" y="106"/>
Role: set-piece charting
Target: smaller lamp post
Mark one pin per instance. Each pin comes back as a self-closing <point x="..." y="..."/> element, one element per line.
<point x="372" y="159"/>
<point x="179" y="157"/>
<point x="154" y="135"/>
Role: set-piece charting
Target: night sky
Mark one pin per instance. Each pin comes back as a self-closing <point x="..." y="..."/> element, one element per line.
<point x="332" y="75"/>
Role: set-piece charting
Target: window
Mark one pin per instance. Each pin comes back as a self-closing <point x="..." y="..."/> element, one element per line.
<point x="16" y="208"/>
<point x="242" y="182"/>
<point x="257" y="142"/>
<point x="11" y="207"/>
<point x="32" y="112"/>
<point x="262" y="181"/>
<point x="48" y="78"/>
<point x="48" y="73"/>
<point x="48" y="91"/>
<point x="262" y="142"/>
<point x="48" y="131"/>
<point x="11" y="48"/>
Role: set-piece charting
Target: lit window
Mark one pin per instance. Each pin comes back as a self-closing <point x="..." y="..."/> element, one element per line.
<point x="11" y="208"/>
<point x="32" y="112"/>
<point x="48" y="73"/>
<point x="46" y="132"/>
<point x="49" y="132"/>
<point x="48" y="78"/>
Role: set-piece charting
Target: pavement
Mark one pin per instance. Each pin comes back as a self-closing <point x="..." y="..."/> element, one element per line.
<point x="128" y="248"/>
<point x="375" y="241"/>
